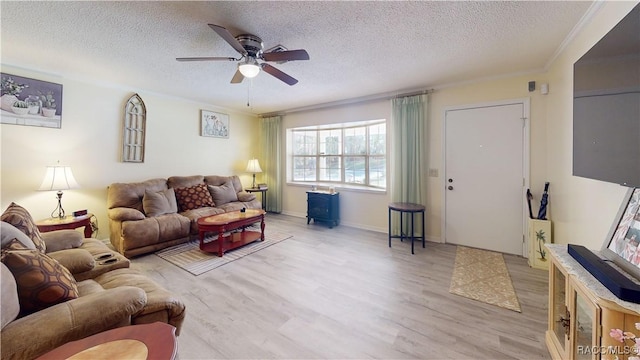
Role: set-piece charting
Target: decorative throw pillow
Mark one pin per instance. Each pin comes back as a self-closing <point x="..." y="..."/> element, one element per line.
<point x="41" y="280"/>
<point x="158" y="203"/>
<point x="10" y="305"/>
<point x="246" y="197"/>
<point x="19" y="217"/>
<point x="193" y="197"/>
<point x="223" y="194"/>
<point x="62" y="240"/>
<point x="14" y="239"/>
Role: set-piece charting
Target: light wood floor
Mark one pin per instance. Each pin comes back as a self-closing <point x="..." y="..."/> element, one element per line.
<point x="341" y="293"/>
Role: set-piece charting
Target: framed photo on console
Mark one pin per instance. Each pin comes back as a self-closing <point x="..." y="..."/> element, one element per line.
<point x="622" y="245"/>
<point x="214" y="124"/>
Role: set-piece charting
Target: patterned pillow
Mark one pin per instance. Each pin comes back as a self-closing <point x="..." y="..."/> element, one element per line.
<point x="193" y="197"/>
<point x="19" y="217"/>
<point x="41" y="280"/>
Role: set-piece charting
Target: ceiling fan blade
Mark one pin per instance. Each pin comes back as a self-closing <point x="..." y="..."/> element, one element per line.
<point x="226" y="35"/>
<point x="278" y="74"/>
<point x="286" y="55"/>
<point x="207" y="58"/>
<point x="237" y="77"/>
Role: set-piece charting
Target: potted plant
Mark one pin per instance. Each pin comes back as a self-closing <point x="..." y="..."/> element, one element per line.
<point x="48" y="104"/>
<point x="20" y="107"/>
<point x="10" y="90"/>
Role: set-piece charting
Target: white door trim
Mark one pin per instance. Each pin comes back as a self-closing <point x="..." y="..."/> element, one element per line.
<point x="526" y="153"/>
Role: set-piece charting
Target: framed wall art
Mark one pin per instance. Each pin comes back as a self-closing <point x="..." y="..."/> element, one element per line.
<point x="30" y="102"/>
<point x="622" y="245"/>
<point x="134" y="130"/>
<point x="213" y="124"/>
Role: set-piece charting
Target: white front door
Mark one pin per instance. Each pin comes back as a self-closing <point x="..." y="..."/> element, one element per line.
<point x="485" y="177"/>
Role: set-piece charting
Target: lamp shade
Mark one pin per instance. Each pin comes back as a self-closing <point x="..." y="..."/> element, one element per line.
<point x="58" y="178"/>
<point x="249" y="68"/>
<point x="254" y="166"/>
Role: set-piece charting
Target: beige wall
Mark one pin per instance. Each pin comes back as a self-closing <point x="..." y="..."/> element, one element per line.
<point x="90" y="142"/>
<point x="367" y="210"/>
<point x="355" y="204"/>
<point x="582" y="210"/>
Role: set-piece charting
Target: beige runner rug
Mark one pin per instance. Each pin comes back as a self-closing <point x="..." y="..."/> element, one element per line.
<point x="482" y="275"/>
<point x="189" y="257"/>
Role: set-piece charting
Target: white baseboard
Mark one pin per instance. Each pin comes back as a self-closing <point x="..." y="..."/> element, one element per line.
<point x="360" y="226"/>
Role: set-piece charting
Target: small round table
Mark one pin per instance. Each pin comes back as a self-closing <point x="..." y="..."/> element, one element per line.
<point x="147" y="341"/>
<point x="263" y="191"/>
<point x="409" y="208"/>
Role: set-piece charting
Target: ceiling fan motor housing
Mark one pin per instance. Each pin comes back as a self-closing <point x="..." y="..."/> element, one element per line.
<point x="251" y="43"/>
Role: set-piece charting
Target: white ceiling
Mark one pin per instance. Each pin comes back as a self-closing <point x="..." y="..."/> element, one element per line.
<point x="357" y="49"/>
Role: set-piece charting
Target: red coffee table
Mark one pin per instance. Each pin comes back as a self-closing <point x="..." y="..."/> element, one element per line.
<point x="146" y="341"/>
<point x="229" y="221"/>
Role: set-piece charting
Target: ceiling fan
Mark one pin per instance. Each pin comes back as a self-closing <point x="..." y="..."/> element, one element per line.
<point x="251" y="48"/>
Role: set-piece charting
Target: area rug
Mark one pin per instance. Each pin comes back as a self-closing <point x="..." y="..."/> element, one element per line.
<point x="189" y="257"/>
<point x="483" y="276"/>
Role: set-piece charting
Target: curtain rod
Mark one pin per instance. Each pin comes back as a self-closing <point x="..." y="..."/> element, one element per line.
<point x="414" y="93"/>
<point x="346" y="102"/>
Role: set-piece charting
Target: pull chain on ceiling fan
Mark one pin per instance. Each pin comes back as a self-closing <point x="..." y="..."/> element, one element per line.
<point x="251" y="48"/>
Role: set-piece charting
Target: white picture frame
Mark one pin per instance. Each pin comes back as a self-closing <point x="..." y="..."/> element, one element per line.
<point x="214" y="124"/>
<point x="622" y="245"/>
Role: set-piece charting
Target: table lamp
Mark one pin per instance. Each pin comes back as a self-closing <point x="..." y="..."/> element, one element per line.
<point x="58" y="178"/>
<point x="254" y="167"/>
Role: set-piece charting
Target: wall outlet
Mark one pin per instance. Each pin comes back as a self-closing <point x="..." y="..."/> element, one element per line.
<point x="433" y="172"/>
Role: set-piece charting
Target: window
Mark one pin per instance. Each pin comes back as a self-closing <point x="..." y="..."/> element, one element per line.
<point x="351" y="154"/>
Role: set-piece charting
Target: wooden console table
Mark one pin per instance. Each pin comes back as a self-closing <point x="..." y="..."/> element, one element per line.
<point x="582" y="312"/>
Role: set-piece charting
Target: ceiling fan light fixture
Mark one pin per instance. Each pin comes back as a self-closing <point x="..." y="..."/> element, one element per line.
<point x="249" y="68"/>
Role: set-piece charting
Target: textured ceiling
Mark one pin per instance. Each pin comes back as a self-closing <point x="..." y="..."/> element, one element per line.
<point x="357" y="49"/>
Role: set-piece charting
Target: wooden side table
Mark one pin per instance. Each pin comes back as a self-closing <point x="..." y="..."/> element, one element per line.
<point x="67" y="223"/>
<point x="147" y="341"/>
<point x="263" y="196"/>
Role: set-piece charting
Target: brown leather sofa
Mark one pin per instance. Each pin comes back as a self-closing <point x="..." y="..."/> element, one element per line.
<point x="154" y="214"/>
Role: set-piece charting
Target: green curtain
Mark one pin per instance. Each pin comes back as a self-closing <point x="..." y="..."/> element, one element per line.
<point x="271" y="162"/>
<point x="408" y="143"/>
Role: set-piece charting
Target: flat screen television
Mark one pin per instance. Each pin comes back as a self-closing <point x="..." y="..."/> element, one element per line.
<point x="606" y="106"/>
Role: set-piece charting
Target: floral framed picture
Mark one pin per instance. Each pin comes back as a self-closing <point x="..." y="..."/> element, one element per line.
<point x="622" y="245"/>
<point x="213" y="124"/>
<point x="30" y="102"/>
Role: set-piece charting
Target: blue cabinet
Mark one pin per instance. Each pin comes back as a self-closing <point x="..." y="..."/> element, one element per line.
<point x="323" y="207"/>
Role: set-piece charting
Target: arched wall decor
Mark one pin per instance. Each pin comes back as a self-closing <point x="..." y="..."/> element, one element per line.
<point x="134" y="130"/>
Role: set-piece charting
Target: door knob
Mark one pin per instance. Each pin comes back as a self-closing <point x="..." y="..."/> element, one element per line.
<point x="450" y="180"/>
<point x="450" y="187"/>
